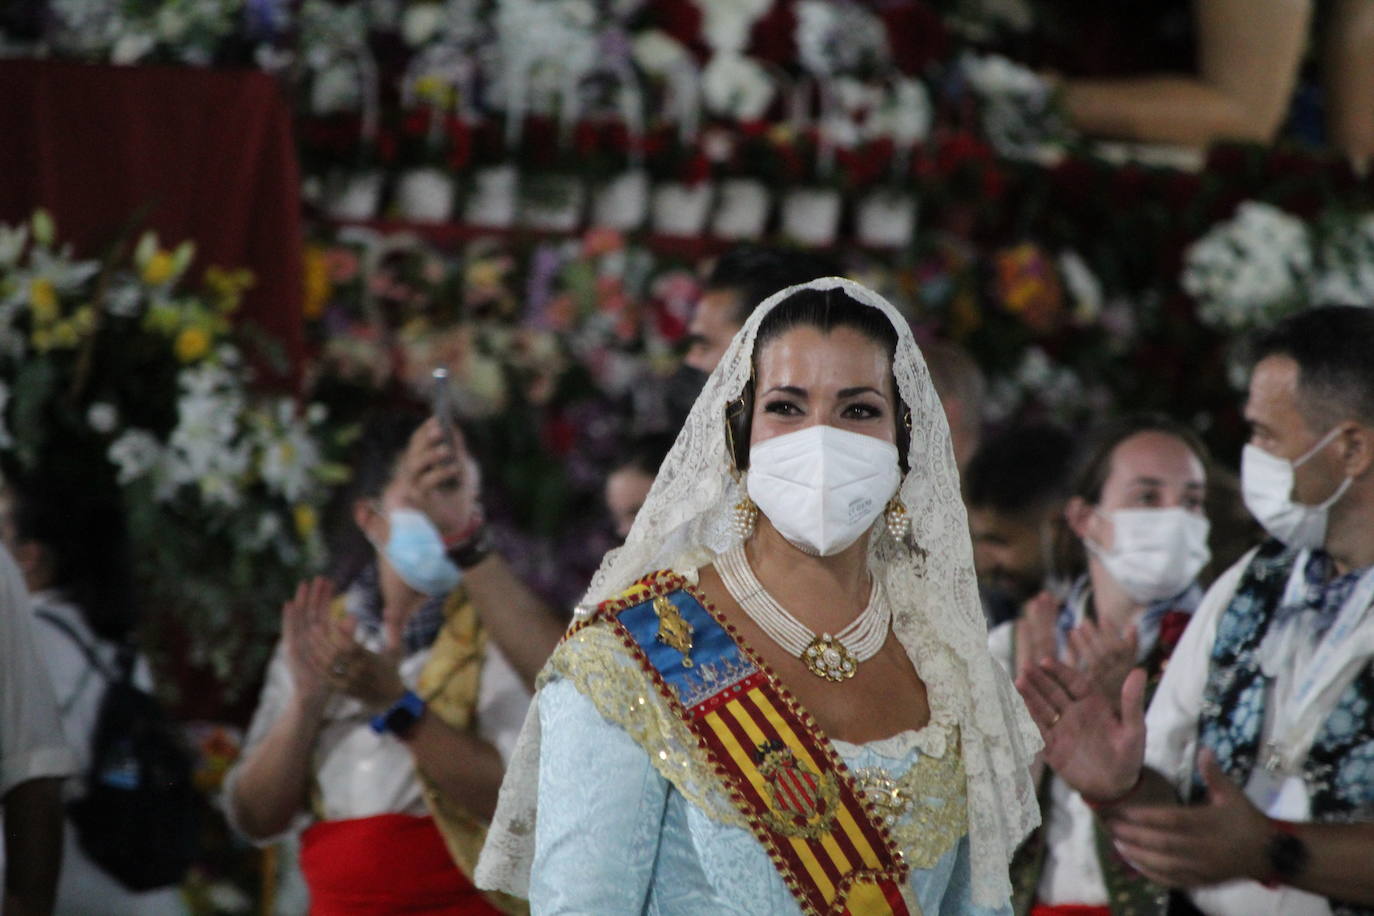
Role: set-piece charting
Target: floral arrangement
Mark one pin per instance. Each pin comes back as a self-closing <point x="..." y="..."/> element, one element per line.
<point x="120" y="369"/>
<point x="1263" y="263"/>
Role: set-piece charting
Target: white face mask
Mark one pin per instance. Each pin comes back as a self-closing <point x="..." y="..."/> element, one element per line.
<point x="1156" y="553"/>
<point x="1266" y="484"/>
<point x="822" y="487"/>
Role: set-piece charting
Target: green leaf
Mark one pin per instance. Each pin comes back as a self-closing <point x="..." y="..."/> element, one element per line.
<point x="33" y="390"/>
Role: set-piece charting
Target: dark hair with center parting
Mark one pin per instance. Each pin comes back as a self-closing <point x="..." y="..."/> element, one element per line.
<point x="825" y="310"/>
<point x="1331" y="345"/>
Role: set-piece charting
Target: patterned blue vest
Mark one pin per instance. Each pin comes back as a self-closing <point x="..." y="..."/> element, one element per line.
<point x="1339" y="769"/>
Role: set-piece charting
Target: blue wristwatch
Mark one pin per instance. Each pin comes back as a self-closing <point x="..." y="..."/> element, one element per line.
<point x="401" y="717"/>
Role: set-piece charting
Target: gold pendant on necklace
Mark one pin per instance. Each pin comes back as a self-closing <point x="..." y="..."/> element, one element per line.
<point x="827" y="657"/>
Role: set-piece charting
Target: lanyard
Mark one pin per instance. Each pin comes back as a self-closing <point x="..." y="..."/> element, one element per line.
<point x="1296" y="721"/>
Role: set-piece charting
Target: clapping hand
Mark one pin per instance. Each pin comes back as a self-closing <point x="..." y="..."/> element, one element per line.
<point x="324" y="656"/>
<point x="1191" y="846"/>
<point x="1105" y="655"/>
<point x="1092" y="746"/>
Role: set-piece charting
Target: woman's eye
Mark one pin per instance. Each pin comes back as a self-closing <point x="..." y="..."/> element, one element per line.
<point x="862" y="412"/>
<point x="782" y="408"/>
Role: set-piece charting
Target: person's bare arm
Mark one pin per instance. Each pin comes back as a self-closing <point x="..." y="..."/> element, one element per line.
<point x="33" y="847"/>
<point x="520" y="622"/>
<point x="466" y="769"/>
<point x="1348" y="65"/>
<point x="1248" y="59"/>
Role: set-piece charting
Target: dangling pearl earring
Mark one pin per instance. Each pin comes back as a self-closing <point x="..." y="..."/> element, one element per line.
<point x="746" y="514"/>
<point x="898" y="523"/>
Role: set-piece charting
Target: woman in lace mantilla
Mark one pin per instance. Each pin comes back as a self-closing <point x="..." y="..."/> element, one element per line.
<point x="777" y="696"/>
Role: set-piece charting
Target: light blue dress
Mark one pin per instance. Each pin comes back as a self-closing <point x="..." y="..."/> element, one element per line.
<point x="614" y="836"/>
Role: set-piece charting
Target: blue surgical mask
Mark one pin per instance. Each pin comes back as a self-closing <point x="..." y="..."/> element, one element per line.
<point x="416" y="552"/>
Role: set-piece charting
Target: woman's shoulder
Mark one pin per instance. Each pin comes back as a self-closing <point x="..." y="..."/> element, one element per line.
<point x="646" y="588"/>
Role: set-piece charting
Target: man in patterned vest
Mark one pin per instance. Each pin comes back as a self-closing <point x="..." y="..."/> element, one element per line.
<point x="1250" y="785"/>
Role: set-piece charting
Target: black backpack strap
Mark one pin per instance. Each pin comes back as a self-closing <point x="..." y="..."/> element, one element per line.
<point x="88" y="650"/>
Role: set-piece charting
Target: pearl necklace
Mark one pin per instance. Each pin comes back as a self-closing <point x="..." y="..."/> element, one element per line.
<point x="835" y="658"/>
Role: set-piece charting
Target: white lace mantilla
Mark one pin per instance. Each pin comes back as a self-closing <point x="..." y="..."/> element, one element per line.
<point x="685" y="522"/>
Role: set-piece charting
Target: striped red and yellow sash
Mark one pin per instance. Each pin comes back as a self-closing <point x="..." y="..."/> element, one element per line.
<point x="780" y="771"/>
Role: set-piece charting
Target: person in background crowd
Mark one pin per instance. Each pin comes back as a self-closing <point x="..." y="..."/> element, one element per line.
<point x="628" y="484"/>
<point x="739" y="280"/>
<point x="1136" y="509"/>
<point x="1014" y="489"/>
<point x="1250" y="784"/>
<point x="962" y="388"/>
<point x="73" y="553"/>
<point x="34" y="759"/>
<point x="389" y="703"/>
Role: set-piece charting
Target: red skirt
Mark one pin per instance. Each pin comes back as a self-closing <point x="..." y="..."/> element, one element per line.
<point x="1069" y="909"/>
<point x="390" y="863"/>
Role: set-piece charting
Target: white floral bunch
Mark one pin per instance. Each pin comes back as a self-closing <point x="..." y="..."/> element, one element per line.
<point x="1017" y="106"/>
<point x="225" y="444"/>
<point x="189" y="31"/>
<point x="1050" y="384"/>
<point x="734" y="85"/>
<point x="1251" y="269"/>
<point x="335" y="42"/>
<point x="36" y="276"/>
<point x="835" y="38"/>
<point x="1345" y="272"/>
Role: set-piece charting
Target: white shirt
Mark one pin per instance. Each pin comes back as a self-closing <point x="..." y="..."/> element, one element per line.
<point x="360" y="773"/>
<point x="31" y="741"/>
<point x="32" y="745"/>
<point x="1071" y="873"/>
<point x="83" y="887"/>
<point x="1171" y="742"/>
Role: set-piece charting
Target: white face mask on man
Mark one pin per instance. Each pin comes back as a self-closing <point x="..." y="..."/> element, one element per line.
<point x="1266" y="485"/>
<point x="822" y="487"/>
<point x="1156" y="553"/>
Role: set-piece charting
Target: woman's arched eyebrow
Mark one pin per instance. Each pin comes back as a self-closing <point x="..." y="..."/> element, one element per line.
<point x="861" y="389"/>
<point x="787" y="389"/>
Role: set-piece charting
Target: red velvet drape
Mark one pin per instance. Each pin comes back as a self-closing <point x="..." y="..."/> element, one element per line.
<point x="208" y="153"/>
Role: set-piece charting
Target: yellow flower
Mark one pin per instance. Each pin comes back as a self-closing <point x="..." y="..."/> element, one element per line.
<point x="317" y="287"/>
<point x="84" y="319"/>
<point x="43" y="300"/>
<point x="434" y="90"/>
<point x="64" y="335"/>
<point x="191" y="344"/>
<point x="159" y="268"/>
<point x="42" y="340"/>
<point x="305" y="518"/>
<point x="485" y="274"/>
<point x="227" y="286"/>
<point x="782" y="134"/>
